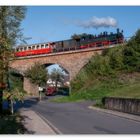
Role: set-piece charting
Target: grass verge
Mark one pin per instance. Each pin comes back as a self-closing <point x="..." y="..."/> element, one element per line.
<point x="96" y="91"/>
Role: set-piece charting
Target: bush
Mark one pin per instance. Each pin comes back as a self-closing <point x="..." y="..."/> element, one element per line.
<point x="111" y="63"/>
<point x="116" y="58"/>
<point x="99" y="103"/>
<point x="15" y="80"/>
<point x="98" y="65"/>
<point x="131" y="58"/>
<point x="135" y="39"/>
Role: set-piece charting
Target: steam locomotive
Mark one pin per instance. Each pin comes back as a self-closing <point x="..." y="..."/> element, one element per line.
<point x="77" y="42"/>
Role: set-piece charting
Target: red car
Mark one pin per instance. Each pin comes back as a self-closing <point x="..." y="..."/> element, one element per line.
<point x="50" y="91"/>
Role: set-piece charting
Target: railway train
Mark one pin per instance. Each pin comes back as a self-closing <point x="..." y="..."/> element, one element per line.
<point x="77" y="42"/>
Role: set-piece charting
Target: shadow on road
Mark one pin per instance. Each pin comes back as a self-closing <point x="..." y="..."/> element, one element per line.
<point x="28" y="103"/>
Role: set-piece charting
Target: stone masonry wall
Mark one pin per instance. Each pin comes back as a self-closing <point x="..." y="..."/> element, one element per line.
<point x="123" y="104"/>
<point x="71" y="61"/>
<point x="30" y="88"/>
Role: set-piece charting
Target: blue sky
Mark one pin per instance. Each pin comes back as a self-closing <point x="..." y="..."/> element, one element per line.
<point x="53" y="23"/>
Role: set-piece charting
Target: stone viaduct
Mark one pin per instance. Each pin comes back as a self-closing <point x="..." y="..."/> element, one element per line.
<point x="71" y="61"/>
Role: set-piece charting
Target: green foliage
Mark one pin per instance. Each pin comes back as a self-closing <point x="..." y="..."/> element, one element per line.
<point x="99" y="66"/>
<point x="83" y="35"/>
<point x="15" y="80"/>
<point x="15" y="90"/>
<point x="115" y="58"/>
<point x="14" y="95"/>
<point x="125" y="85"/>
<point x="10" y="21"/>
<point x="37" y="74"/>
<point x="134" y="40"/>
<point x="110" y="74"/>
<point x="132" y="53"/>
<point x="131" y="58"/>
<point x="99" y="104"/>
<point x="10" y="32"/>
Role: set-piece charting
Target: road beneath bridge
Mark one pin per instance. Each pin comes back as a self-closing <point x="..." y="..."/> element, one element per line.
<point x="77" y="118"/>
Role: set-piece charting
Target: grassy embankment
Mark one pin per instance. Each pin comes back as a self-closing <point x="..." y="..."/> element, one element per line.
<point x="114" y="73"/>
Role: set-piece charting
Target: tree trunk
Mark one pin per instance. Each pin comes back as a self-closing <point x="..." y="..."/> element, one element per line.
<point x="56" y="83"/>
<point x="12" y="107"/>
<point x="40" y="95"/>
<point x="1" y="101"/>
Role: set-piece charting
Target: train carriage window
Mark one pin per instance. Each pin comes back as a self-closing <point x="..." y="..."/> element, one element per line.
<point x="25" y="48"/>
<point x="21" y="49"/>
<point x="37" y="47"/>
<point x="29" y="48"/>
<point x="42" y="46"/>
<point x="46" y="45"/>
<point x="33" y="47"/>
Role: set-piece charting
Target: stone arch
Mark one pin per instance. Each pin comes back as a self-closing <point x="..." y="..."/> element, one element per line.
<point x="32" y="88"/>
<point x="62" y="67"/>
<point x="64" y="71"/>
<point x="16" y="71"/>
<point x="72" y="61"/>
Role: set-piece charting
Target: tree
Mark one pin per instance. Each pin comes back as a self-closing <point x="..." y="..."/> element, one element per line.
<point x="57" y="76"/>
<point x="75" y="36"/>
<point x="135" y="39"/>
<point x="131" y="53"/>
<point x="10" y="33"/>
<point x="12" y="96"/>
<point x="38" y="75"/>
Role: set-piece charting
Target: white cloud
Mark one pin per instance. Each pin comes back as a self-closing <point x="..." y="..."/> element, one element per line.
<point x="96" y="22"/>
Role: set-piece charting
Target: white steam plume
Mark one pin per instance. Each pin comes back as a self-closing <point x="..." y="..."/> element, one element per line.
<point x="96" y="22"/>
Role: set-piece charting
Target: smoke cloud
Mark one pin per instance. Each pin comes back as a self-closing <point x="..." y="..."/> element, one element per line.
<point x="96" y="22"/>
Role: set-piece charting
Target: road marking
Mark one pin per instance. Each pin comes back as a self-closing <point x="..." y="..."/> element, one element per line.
<point x="56" y="130"/>
<point x="119" y="114"/>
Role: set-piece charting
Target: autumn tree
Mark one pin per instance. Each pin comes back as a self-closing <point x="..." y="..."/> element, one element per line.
<point x="57" y="75"/>
<point x="10" y="34"/>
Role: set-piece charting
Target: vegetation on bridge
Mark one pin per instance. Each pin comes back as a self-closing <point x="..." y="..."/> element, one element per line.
<point x="114" y="73"/>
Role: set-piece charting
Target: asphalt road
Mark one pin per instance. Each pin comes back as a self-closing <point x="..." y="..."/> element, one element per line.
<point x="77" y="118"/>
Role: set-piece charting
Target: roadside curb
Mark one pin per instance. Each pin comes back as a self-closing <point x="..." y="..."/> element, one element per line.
<point x="34" y="123"/>
<point x="116" y="113"/>
<point x="56" y="131"/>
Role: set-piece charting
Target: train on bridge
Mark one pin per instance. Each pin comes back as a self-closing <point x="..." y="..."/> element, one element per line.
<point x="77" y="42"/>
